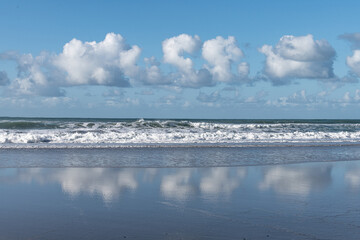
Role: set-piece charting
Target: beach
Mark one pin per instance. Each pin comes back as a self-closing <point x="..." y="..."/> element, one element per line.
<point x="268" y="182"/>
<point x="291" y="201"/>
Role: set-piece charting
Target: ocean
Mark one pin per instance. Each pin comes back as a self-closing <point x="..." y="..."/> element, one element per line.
<point x="80" y="142"/>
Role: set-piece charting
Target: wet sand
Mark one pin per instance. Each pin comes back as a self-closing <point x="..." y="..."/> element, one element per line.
<point x="289" y="201"/>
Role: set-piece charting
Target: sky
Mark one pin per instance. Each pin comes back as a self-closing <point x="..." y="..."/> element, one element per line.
<point x="180" y="59"/>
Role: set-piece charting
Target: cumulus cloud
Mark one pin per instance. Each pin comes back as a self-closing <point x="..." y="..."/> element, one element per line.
<point x="220" y="53"/>
<point x="152" y="75"/>
<point x="103" y="63"/>
<point x="174" y="49"/>
<point x="111" y="62"/>
<point x="35" y="75"/>
<point x="298" y="57"/>
<point x="353" y="61"/>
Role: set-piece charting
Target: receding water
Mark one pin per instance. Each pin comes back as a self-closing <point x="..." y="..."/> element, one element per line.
<point x="171" y="156"/>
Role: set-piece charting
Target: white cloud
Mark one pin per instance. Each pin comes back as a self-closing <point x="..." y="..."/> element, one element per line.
<point x="174" y="49"/>
<point x="220" y="53"/>
<point x="110" y="62"/>
<point x="298" y="57"/>
<point x="152" y="75"/>
<point x="354" y="62"/>
<point x="31" y="78"/>
<point x="243" y="69"/>
<point x="103" y="63"/>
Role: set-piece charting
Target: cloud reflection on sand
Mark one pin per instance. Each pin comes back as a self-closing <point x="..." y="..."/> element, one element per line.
<point x="352" y="177"/>
<point x="218" y="181"/>
<point x="177" y="185"/>
<point x="107" y="182"/>
<point x="181" y="183"/>
<point x="296" y="180"/>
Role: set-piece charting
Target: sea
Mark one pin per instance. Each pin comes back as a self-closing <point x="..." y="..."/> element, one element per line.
<point x="97" y="142"/>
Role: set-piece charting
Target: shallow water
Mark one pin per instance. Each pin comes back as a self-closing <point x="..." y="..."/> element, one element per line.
<point x="176" y="156"/>
<point x="296" y="201"/>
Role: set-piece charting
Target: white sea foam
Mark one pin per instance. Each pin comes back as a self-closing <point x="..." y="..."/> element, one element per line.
<point x="61" y="133"/>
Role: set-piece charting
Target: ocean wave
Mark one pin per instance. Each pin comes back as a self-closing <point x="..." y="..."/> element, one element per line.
<point x="143" y="132"/>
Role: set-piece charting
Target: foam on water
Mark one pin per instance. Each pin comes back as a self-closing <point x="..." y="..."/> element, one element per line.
<point x="76" y="133"/>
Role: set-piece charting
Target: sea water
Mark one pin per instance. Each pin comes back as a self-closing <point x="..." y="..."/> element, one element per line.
<point x="40" y="142"/>
<point x="80" y="133"/>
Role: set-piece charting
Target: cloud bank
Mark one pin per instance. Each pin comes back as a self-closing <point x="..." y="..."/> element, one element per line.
<point x="187" y="62"/>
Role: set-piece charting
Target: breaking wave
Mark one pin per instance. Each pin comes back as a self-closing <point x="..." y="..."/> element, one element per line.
<point x="120" y="132"/>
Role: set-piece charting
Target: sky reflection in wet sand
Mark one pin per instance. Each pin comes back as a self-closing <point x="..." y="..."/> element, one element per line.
<point x="299" y="201"/>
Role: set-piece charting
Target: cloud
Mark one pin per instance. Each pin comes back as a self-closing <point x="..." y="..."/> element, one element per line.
<point x="103" y="63"/>
<point x="152" y="75"/>
<point x="298" y="57"/>
<point x="353" y="38"/>
<point x="35" y="75"/>
<point x="212" y="97"/>
<point x="220" y="53"/>
<point x="114" y="93"/>
<point x="174" y="49"/>
<point x="111" y="62"/>
<point x="353" y="61"/>
<point x="4" y="79"/>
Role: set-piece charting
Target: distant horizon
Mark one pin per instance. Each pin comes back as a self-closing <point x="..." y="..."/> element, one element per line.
<point x="152" y="118"/>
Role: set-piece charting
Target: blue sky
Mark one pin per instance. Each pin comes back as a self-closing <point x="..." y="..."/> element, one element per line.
<point x="180" y="59"/>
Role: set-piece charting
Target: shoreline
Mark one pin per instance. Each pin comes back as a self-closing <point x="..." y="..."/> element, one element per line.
<point x="175" y="157"/>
